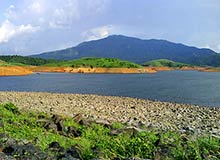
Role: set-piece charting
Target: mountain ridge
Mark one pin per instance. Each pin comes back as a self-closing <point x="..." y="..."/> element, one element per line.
<point x="136" y="50"/>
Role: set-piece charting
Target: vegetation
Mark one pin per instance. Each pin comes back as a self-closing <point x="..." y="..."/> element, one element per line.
<point x="5" y="64"/>
<point x="97" y="141"/>
<point x="2" y="63"/>
<point x="164" y="63"/>
<point x="96" y="62"/>
<point x="83" y="62"/>
<point x="21" y="60"/>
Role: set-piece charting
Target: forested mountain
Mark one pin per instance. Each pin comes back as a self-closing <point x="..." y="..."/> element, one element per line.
<point x="136" y="50"/>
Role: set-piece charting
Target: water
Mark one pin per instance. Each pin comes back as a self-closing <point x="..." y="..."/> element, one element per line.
<point x="201" y="88"/>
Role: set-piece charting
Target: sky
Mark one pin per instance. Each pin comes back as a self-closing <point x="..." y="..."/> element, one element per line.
<point x="35" y="26"/>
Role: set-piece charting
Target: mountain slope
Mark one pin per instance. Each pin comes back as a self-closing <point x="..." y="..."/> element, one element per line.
<point x="136" y="50"/>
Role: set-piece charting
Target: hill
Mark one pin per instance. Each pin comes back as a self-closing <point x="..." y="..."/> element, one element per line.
<point x="136" y="50"/>
<point x="21" y="60"/>
<point x="5" y="64"/>
<point x="164" y="63"/>
<point x="95" y="62"/>
<point x="2" y="62"/>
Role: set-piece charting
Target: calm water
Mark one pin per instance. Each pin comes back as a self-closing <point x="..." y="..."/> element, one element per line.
<point x="176" y="86"/>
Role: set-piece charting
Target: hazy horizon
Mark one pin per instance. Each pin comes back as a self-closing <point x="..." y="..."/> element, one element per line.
<point x="35" y="26"/>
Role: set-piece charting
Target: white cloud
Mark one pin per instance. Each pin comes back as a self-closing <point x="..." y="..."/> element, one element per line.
<point x="206" y="46"/>
<point x="59" y="23"/>
<point x="55" y="14"/>
<point x="97" y="33"/>
<point x="10" y="12"/>
<point x="36" y="7"/>
<point x="96" y="6"/>
<point x="218" y="48"/>
<point x="62" y="17"/>
<point x="9" y="30"/>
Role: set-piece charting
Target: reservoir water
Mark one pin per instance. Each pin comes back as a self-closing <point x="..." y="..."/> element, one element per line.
<point x="201" y="88"/>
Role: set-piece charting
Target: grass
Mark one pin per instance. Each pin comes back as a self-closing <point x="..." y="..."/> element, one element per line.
<point x="82" y="62"/>
<point x="164" y="63"/>
<point x="95" y="62"/>
<point x="96" y="141"/>
<point x="5" y="64"/>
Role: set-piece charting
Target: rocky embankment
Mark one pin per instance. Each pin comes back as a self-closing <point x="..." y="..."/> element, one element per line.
<point x="90" y="70"/>
<point x="135" y="112"/>
<point x="14" y="71"/>
<point x="117" y="70"/>
<point x="26" y="70"/>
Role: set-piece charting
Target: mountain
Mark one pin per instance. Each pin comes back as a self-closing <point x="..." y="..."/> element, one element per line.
<point x="136" y="50"/>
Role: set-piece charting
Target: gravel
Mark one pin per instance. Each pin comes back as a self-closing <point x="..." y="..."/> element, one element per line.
<point x="136" y="112"/>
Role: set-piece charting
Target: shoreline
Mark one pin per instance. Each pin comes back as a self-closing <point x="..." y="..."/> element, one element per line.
<point x="27" y="70"/>
<point x="14" y="71"/>
<point x="135" y="112"/>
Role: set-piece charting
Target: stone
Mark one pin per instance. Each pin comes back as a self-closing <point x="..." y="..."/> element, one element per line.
<point x="54" y="145"/>
<point x="51" y="126"/>
<point x="129" y="130"/>
<point x="6" y="157"/>
<point x="25" y="152"/>
<point x="77" y="118"/>
<point x="105" y="123"/>
<point x="43" y="122"/>
<point x="72" y="131"/>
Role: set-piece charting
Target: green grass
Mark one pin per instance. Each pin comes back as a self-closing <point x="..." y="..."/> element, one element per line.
<point x="5" y="64"/>
<point x="164" y="63"/>
<point x="2" y="62"/>
<point x="95" y="62"/>
<point x="96" y="141"/>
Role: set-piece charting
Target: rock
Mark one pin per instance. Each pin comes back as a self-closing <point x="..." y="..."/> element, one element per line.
<point x="8" y="150"/>
<point x="188" y="129"/>
<point x="3" y="137"/>
<point x="56" y="118"/>
<point x="43" y="122"/>
<point x="11" y="141"/>
<point x="77" y="118"/>
<point x="24" y="152"/>
<point x="71" y="153"/>
<point x="105" y="123"/>
<point x="60" y="126"/>
<point x="51" y="126"/>
<point x="54" y="145"/>
<point x="154" y="114"/>
<point x="56" y="124"/>
<point x="5" y="157"/>
<point x="72" y="131"/>
<point x="128" y="130"/>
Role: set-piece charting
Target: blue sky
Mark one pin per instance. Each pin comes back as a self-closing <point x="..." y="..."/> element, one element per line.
<point x="34" y="26"/>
